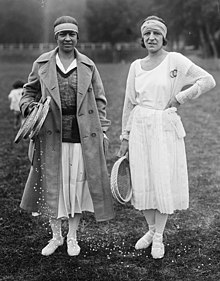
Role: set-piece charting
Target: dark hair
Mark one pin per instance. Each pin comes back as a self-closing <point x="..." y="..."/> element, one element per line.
<point x="154" y="18"/>
<point x="65" y="19"/>
<point x="18" y="84"/>
<point x="158" y="19"/>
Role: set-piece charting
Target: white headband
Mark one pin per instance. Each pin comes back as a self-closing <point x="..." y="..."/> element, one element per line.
<point x="154" y="24"/>
<point x="65" y="26"/>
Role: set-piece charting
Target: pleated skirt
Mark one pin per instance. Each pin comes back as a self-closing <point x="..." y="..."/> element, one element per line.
<point x="158" y="161"/>
<point x="74" y="196"/>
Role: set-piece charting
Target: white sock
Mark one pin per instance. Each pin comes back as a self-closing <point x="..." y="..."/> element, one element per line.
<point x="151" y="229"/>
<point x="56" y="228"/>
<point x="158" y="237"/>
<point x="73" y="226"/>
<point x="160" y="222"/>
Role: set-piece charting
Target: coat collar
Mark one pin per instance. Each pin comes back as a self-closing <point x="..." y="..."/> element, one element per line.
<point x="79" y="56"/>
<point x="47" y="72"/>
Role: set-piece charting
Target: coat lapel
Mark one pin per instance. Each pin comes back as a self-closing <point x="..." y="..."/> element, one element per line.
<point x="47" y="73"/>
<point x="84" y="77"/>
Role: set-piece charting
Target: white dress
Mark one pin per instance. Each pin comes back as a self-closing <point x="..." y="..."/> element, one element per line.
<point x="156" y="136"/>
<point x="74" y="194"/>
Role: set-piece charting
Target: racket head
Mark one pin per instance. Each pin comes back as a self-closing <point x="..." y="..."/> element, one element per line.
<point x="42" y="114"/>
<point x="34" y="121"/>
<point x="121" y="180"/>
<point x="27" y="125"/>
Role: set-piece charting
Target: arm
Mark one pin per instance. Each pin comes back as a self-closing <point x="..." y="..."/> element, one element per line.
<point x="129" y="103"/>
<point x="31" y="91"/>
<point x="201" y="82"/>
<point x="101" y="101"/>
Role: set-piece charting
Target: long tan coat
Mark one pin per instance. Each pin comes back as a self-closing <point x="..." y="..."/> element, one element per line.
<point x="42" y="188"/>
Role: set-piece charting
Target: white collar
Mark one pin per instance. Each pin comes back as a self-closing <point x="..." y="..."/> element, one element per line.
<point x="61" y="67"/>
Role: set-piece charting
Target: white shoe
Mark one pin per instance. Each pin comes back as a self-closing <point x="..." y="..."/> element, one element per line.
<point x="145" y="241"/>
<point x="157" y="250"/>
<point x="53" y="244"/>
<point x="73" y="249"/>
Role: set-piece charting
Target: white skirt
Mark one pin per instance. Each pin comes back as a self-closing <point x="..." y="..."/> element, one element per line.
<point x="158" y="160"/>
<point x="74" y="194"/>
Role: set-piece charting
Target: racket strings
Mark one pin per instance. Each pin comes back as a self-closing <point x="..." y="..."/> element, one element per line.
<point x="121" y="181"/>
<point x="124" y="181"/>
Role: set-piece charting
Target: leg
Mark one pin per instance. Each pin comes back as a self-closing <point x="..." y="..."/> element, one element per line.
<point x="73" y="225"/>
<point x="150" y="218"/>
<point x="57" y="239"/>
<point x="73" y="248"/>
<point x="16" y="120"/>
<point x="55" y="225"/>
<point x="157" y="250"/>
<point x="160" y="222"/>
<point x="147" y="239"/>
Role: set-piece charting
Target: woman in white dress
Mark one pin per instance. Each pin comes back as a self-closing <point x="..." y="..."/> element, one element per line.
<point x="153" y="133"/>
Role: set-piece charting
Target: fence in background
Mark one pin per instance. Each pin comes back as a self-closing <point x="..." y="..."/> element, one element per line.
<point x="82" y="46"/>
<point x="100" y="52"/>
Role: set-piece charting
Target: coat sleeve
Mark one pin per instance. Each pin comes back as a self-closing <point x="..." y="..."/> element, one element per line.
<point x="31" y="90"/>
<point x="200" y="82"/>
<point x="129" y="103"/>
<point x="101" y="101"/>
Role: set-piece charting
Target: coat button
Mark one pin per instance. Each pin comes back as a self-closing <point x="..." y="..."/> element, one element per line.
<point x="49" y="132"/>
<point x="90" y="111"/>
<point x="57" y="131"/>
<point x="93" y="134"/>
<point x="90" y="89"/>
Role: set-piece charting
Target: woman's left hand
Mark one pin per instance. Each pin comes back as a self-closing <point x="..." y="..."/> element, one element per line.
<point x="173" y="103"/>
<point x="123" y="148"/>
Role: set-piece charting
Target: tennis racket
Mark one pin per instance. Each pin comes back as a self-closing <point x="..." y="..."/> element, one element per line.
<point x="121" y="180"/>
<point x="27" y="125"/>
<point x="34" y="121"/>
<point x="43" y="111"/>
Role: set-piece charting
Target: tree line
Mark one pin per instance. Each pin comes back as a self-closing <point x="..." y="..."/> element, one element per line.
<point x="190" y="22"/>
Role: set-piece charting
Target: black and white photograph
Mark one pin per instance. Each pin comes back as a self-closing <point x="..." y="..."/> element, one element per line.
<point x="110" y="140"/>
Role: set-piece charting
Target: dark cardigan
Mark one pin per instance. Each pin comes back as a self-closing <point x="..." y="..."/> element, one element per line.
<point x="68" y="92"/>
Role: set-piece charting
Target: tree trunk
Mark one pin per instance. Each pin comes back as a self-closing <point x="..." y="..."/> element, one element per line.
<point x="204" y="45"/>
<point x="211" y="41"/>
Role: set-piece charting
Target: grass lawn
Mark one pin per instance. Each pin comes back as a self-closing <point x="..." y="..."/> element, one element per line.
<point x="192" y="237"/>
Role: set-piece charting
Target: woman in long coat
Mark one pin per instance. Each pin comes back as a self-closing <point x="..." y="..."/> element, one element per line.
<point x="68" y="172"/>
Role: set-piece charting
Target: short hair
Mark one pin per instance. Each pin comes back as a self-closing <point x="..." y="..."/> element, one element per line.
<point x="65" y="19"/>
<point x="154" y="18"/>
<point x="158" y="19"/>
<point x="18" y="84"/>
